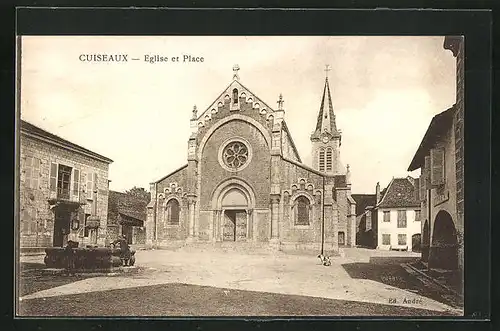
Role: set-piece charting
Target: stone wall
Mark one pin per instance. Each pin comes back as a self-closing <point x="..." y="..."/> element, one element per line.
<point x="256" y="174"/>
<point x="34" y="204"/>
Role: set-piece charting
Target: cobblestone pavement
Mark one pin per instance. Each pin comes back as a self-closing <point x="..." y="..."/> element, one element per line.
<point x="280" y="273"/>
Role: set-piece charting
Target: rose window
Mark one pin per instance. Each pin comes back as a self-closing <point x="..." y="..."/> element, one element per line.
<point x="235" y="155"/>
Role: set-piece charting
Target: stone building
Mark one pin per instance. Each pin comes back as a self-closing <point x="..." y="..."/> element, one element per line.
<point x="397" y="215"/>
<point x="440" y="159"/>
<point x="244" y="180"/>
<point x="126" y="216"/>
<point x="63" y="191"/>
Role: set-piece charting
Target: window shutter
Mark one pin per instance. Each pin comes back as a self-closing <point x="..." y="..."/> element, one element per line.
<point x="53" y="176"/>
<point x="427" y="165"/>
<point x="35" y="175"/>
<point x="416" y="190"/>
<point x="28" y="172"/>
<point x="422" y="188"/>
<point x="437" y="166"/>
<point x="90" y="189"/>
<point x="76" y="182"/>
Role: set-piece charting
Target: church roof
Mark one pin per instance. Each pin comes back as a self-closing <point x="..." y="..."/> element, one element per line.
<point x="326" y="117"/>
<point x="227" y="92"/>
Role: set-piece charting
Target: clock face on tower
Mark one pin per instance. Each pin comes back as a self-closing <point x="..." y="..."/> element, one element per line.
<point x="325" y="139"/>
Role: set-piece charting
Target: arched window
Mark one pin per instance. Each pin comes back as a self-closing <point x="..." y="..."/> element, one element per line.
<point x="328" y="159"/>
<point x="302" y="205"/>
<point x="235" y="96"/>
<point x="173" y="211"/>
<point x="322" y="160"/>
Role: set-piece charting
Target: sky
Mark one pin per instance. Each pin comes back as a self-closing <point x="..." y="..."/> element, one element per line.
<point x="385" y="91"/>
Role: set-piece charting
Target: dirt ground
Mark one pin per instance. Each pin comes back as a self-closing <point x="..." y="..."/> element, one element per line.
<point x="360" y="276"/>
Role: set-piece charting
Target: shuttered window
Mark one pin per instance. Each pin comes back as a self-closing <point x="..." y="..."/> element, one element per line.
<point x="401" y="218"/>
<point x="437" y="166"/>
<point x="402" y="239"/>
<point x="53" y="176"/>
<point x="91" y="185"/>
<point x="32" y="171"/>
<point x="88" y="186"/>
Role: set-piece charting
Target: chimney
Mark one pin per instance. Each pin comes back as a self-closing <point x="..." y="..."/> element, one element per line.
<point x="377" y="192"/>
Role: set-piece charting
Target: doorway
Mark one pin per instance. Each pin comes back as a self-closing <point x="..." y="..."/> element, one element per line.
<point x="61" y="227"/>
<point x="127" y="232"/>
<point x="235" y="225"/>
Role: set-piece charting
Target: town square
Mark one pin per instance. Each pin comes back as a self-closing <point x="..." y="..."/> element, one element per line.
<point x="255" y="188"/>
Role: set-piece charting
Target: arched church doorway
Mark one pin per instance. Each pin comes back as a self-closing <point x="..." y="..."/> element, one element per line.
<point x="444" y="245"/>
<point x="235" y="216"/>
<point x="426" y="239"/>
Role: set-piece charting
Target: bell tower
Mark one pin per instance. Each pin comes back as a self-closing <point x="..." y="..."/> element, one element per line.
<point x="326" y="139"/>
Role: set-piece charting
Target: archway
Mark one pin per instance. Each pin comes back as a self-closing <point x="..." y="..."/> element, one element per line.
<point x="426" y="239"/>
<point x="233" y="202"/>
<point x="444" y="245"/>
<point x="235" y="222"/>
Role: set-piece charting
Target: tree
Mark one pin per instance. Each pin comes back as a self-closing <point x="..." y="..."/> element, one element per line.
<point x="139" y="192"/>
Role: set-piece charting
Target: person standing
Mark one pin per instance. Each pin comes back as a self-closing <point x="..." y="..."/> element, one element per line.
<point x="124" y="249"/>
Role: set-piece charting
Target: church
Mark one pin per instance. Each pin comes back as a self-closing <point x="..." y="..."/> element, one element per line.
<point x="244" y="181"/>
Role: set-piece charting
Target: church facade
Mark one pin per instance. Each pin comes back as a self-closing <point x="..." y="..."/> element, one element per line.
<point x="244" y="181"/>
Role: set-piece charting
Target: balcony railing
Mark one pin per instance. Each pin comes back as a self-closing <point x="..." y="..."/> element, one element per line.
<point x="63" y="193"/>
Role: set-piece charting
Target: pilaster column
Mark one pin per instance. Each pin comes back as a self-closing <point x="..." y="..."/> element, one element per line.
<point x="275" y="203"/>
<point x="191" y="213"/>
<point x="249" y="224"/>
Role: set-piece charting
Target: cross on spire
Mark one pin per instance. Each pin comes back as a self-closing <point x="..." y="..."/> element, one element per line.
<point x="195" y="111"/>
<point x="327" y="68"/>
<point x="280" y="102"/>
<point x="235" y="72"/>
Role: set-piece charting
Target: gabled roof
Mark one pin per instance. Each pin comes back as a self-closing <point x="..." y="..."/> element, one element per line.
<point x="363" y="201"/>
<point x="400" y="193"/>
<point x="326" y="118"/>
<point x="285" y="127"/>
<point x="170" y="174"/>
<point x="127" y="205"/>
<point x="227" y="91"/>
<point x="438" y="128"/>
<point x="38" y="133"/>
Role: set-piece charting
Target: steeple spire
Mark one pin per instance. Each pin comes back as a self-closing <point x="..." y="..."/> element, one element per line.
<point x="326" y="139"/>
<point x="326" y="117"/>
